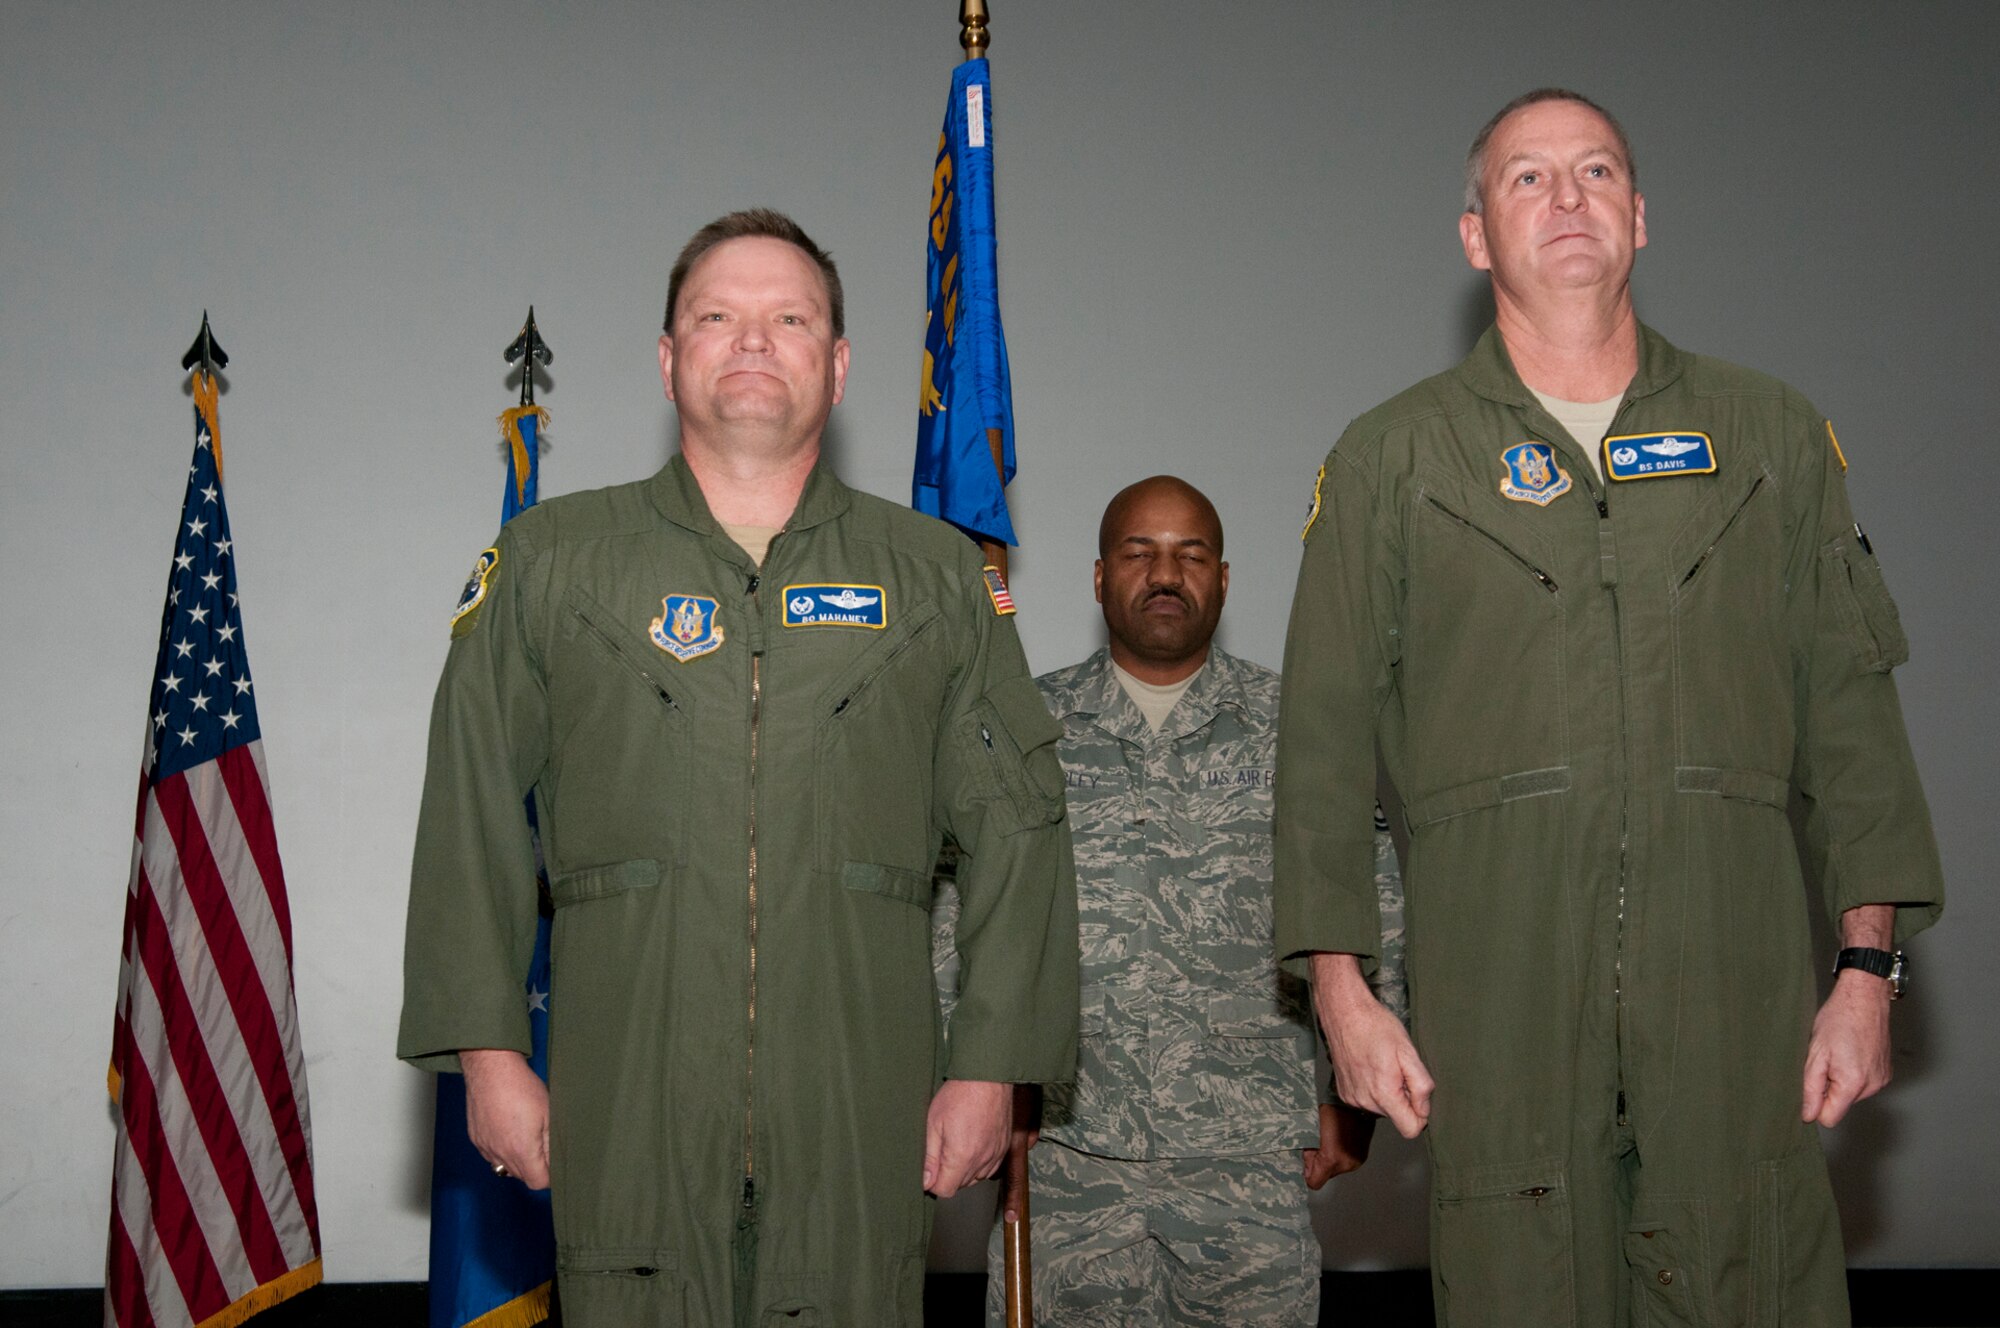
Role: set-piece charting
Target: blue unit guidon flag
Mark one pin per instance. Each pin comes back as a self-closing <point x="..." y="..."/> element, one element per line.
<point x="212" y="1210"/>
<point x="965" y="389"/>
<point x="493" y="1242"/>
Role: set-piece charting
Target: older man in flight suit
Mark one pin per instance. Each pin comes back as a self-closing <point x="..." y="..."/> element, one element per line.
<point x="1605" y="607"/>
<point x="749" y="701"/>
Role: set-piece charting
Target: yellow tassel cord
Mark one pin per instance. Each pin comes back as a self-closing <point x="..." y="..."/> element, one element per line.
<point x="205" y="402"/>
<point x="510" y="433"/>
<point x="523" y="1311"/>
<point x="115" y="1082"/>
<point x="264" y="1297"/>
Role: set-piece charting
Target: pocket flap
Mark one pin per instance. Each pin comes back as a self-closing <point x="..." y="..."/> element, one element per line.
<point x="1749" y="785"/>
<point x="597" y="882"/>
<point x="913" y="888"/>
<point x="1483" y="793"/>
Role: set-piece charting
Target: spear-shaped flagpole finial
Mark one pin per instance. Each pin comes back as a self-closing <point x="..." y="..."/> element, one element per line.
<point x="529" y="348"/>
<point x="206" y="351"/>
<point x="972" y="13"/>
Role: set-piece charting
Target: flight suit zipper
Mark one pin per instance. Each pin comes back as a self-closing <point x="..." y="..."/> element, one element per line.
<point x="750" y="1034"/>
<point x="1607" y="562"/>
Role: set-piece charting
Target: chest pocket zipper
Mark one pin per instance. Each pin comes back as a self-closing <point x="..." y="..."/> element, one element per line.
<point x="610" y="644"/>
<point x="1694" y="570"/>
<point x="881" y="666"/>
<point x="1541" y="578"/>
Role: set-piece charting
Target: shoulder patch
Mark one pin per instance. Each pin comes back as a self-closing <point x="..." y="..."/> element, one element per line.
<point x="1838" y="454"/>
<point x="466" y="616"/>
<point x="996" y="590"/>
<point x="1312" y="513"/>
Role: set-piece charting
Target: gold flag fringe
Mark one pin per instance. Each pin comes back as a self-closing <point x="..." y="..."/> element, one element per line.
<point x="510" y="433"/>
<point x="205" y="402"/>
<point x="264" y="1297"/>
<point x="523" y="1311"/>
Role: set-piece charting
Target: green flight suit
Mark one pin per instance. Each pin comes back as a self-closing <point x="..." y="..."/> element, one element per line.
<point x="741" y="777"/>
<point x="1595" y="706"/>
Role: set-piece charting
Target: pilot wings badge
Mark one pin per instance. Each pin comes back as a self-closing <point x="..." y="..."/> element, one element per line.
<point x="836" y="606"/>
<point x="686" y="627"/>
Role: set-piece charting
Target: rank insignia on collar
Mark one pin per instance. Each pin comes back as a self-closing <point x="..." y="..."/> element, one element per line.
<point x="686" y="627"/>
<point x="996" y="590"/>
<point x="836" y="606"/>
<point x="1533" y="475"/>
<point x="1645" y="456"/>
<point x="474" y="593"/>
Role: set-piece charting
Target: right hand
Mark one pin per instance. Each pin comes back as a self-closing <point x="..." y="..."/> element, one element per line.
<point x="1375" y="1065"/>
<point x="507" y="1113"/>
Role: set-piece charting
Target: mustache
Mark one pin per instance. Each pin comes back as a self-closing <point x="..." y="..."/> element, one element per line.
<point x="1165" y="592"/>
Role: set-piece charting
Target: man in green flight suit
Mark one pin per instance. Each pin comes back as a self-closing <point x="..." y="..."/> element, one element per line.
<point x="749" y="702"/>
<point x="1605" y="608"/>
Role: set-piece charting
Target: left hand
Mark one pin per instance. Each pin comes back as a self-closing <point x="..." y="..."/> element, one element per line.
<point x="966" y="1133"/>
<point x="1848" y="1057"/>
<point x="1344" y="1135"/>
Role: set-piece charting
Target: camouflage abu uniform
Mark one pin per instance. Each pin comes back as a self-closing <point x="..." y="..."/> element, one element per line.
<point x="1176" y="1194"/>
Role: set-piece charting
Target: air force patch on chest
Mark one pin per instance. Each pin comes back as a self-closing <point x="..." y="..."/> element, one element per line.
<point x="835" y="606"/>
<point x="1645" y="456"/>
<point x="1533" y="475"/>
<point x="686" y="627"/>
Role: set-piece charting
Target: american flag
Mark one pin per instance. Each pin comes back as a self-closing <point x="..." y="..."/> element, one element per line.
<point x="212" y="1212"/>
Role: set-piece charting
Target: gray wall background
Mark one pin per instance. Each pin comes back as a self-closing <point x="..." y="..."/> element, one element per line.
<point x="1225" y="230"/>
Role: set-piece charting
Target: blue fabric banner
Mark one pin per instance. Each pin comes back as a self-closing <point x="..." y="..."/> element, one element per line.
<point x="493" y="1246"/>
<point x="965" y="390"/>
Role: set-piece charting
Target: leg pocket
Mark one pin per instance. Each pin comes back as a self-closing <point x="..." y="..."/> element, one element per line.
<point x="1500" y="1243"/>
<point x="1798" y="1272"/>
<point x="617" y="1287"/>
<point x="1667" y="1261"/>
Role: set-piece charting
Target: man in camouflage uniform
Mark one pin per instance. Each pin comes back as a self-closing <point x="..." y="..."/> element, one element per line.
<point x="1167" y="1186"/>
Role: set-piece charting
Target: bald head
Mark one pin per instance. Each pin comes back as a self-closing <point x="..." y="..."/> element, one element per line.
<point x="1118" y="512"/>
<point x="1160" y="577"/>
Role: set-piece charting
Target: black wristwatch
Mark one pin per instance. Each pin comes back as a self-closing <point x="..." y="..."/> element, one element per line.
<point x="1888" y="965"/>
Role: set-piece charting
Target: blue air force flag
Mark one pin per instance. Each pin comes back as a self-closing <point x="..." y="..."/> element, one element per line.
<point x="965" y="389"/>
<point x="493" y="1244"/>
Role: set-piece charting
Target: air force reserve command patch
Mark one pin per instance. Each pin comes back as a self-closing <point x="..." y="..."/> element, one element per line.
<point x="1533" y="475"/>
<point x="466" y="616"/>
<point x="686" y="627"/>
<point x="836" y="606"/>
<point x="1645" y="456"/>
<point x="996" y="590"/>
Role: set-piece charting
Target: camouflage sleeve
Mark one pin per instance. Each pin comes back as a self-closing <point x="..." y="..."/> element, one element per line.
<point x="1391" y="988"/>
<point x="944" y="934"/>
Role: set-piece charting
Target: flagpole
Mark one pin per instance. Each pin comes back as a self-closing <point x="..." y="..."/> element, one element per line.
<point x="972" y="37"/>
<point x="1019" y="1261"/>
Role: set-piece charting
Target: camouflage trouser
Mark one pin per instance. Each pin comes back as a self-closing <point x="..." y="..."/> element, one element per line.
<point x="1205" y="1240"/>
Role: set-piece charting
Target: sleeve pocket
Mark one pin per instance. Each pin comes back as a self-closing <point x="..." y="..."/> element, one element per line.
<point x="1873" y="627"/>
<point x="1013" y="728"/>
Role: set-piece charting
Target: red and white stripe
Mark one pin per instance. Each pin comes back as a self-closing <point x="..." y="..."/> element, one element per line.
<point x="212" y="1215"/>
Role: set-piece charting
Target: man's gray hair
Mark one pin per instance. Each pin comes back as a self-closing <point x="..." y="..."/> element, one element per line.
<point x="1475" y="160"/>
